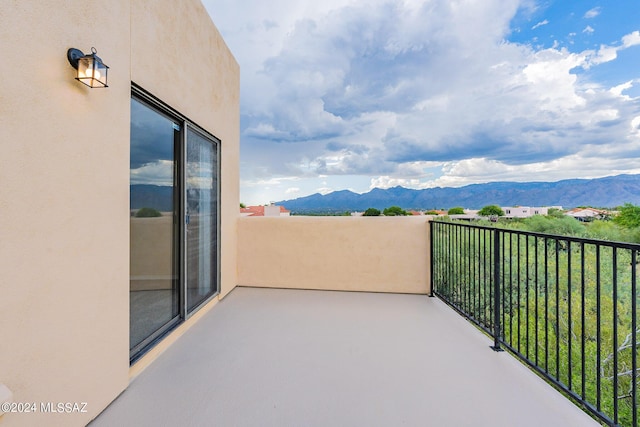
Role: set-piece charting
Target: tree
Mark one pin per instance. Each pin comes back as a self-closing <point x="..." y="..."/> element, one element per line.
<point x="608" y="230"/>
<point x="629" y="216"/>
<point x="555" y="213"/>
<point x="564" y="226"/>
<point x="148" y="213"/>
<point x="242" y="206"/>
<point x="394" y="211"/>
<point x="371" y="212"/>
<point x="491" y="210"/>
<point x="455" y="211"/>
<point x="432" y="212"/>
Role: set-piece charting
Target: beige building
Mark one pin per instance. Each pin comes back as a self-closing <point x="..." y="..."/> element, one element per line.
<point x="526" y="211"/>
<point x="118" y="205"/>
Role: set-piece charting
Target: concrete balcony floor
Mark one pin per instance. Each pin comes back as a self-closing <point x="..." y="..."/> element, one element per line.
<point x="274" y="357"/>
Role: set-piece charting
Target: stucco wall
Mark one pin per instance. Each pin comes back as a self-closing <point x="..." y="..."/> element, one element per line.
<point x="64" y="208"/>
<point x="64" y="184"/>
<point x="151" y="255"/>
<point x="373" y="254"/>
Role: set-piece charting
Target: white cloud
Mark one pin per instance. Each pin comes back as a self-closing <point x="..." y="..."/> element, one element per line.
<point x="266" y="130"/>
<point x="588" y="29"/>
<point x="417" y="93"/>
<point x="478" y="170"/>
<point x="292" y="190"/>
<point x="389" y="182"/>
<point x="605" y="54"/>
<point x="550" y="75"/>
<point x="635" y="127"/>
<point x="324" y="190"/>
<point x="540" y="24"/>
<point x="632" y="39"/>
<point x="592" y="13"/>
<point x="610" y="53"/>
<point x="157" y="173"/>
<point x="617" y="90"/>
<point x="274" y="181"/>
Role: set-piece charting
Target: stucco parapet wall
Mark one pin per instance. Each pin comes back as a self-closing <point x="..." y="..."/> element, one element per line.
<point x="369" y="254"/>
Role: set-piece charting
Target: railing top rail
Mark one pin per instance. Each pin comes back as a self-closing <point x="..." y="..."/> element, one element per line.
<point x="622" y="245"/>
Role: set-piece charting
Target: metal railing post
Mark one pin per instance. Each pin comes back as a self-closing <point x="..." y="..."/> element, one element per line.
<point x="496" y="291"/>
<point x="431" y="263"/>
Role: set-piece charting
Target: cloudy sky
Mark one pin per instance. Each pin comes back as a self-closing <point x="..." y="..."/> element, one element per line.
<point x="350" y="94"/>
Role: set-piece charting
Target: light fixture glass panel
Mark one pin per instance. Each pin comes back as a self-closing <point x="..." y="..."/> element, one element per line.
<point x="85" y="69"/>
<point x="92" y="72"/>
<point x="100" y="73"/>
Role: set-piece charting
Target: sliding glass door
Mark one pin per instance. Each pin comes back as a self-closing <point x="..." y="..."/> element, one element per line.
<point x="174" y="202"/>
<point x="154" y="232"/>
<point x="202" y="218"/>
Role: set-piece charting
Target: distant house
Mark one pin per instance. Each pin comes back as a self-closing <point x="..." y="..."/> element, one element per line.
<point x="587" y="214"/>
<point x="269" y="210"/>
<point x="525" y="211"/>
<point x="509" y="212"/>
<point x="468" y="215"/>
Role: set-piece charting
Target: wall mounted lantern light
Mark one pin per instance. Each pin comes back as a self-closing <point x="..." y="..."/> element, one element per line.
<point x="91" y="70"/>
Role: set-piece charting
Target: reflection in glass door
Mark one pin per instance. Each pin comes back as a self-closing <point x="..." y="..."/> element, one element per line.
<point x="174" y="220"/>
<point x="201" y="218"/>
<point x="154" y="202"/>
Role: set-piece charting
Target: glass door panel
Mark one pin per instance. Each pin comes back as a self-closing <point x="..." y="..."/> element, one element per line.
<point x="154" y="192"/>
<point x="201" y="218"/>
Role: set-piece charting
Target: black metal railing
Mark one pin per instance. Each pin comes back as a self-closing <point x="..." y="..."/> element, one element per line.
<point x="566" y="306"/>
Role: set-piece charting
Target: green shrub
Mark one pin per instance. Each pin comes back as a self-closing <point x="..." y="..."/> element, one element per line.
<point x="395" y="211"/>
<point x="565" y="226"/>
<point x="491" y="210"/>
<point x="629" y="216"/>
<point x="148" y="213"/>
<point x="371" y="212"/>
<point x="607" y="230"/>
<point x="555" y="213"/>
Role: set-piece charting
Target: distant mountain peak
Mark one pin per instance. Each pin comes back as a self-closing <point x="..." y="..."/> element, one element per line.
<point x="610" y="191"/>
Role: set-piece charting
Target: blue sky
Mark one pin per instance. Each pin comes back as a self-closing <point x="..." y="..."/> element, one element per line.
<point x="426" y="93"/>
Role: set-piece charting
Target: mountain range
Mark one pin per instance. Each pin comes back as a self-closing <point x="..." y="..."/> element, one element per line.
<point x="610" y="191"/>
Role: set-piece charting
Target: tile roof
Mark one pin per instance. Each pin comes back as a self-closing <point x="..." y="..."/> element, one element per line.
<point x="258" y="211"/>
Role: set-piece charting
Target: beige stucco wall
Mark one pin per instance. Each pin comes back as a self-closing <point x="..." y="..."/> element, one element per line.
<point x="64" y="214"/>
<point x="151" y="265"/>
<point x="373" y="254"/>
<point x="64" y="184"/>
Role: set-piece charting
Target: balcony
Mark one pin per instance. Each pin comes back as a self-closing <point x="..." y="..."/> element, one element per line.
<point x="387" y="354"/>
<point x="281" y="357"/>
